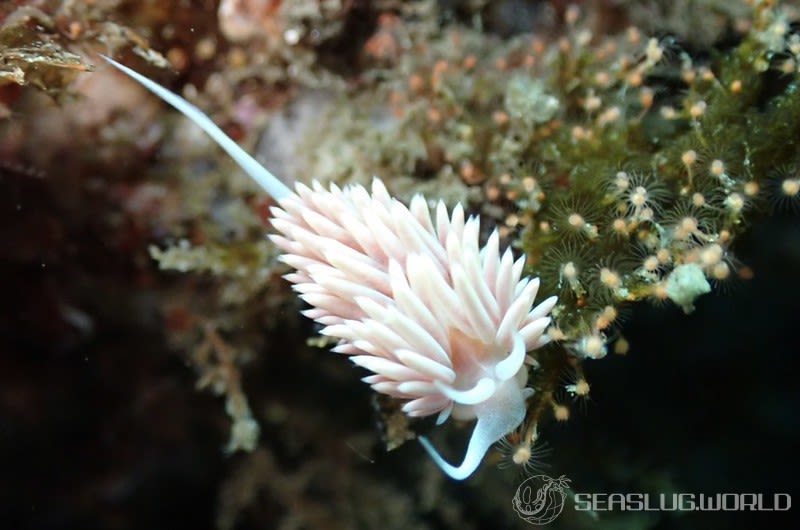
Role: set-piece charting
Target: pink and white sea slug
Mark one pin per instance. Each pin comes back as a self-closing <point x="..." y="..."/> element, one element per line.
<point x="441" y="322"/>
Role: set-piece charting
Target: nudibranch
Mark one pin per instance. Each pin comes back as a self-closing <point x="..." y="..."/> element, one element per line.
<point x="442" y="323"/>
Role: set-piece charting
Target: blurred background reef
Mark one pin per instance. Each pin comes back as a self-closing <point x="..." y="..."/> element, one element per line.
<point x="155" y="371"/>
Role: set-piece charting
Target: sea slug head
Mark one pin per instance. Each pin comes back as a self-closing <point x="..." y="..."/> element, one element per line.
<point x="495" y="397"/>
<point x="493" y="376"/>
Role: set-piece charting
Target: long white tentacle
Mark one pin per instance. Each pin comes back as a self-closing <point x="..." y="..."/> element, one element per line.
<point x="274" y="187"/>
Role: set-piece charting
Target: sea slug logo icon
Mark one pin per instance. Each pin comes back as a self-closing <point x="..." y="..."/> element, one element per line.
<point x="540" y="499"/>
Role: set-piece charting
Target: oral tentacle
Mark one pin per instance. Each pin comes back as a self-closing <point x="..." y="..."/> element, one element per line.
<point x="482" y="391"/>
<point x="508" y="367"/>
